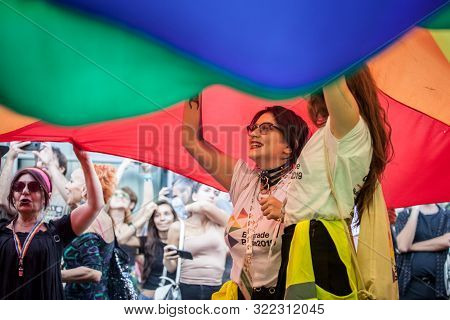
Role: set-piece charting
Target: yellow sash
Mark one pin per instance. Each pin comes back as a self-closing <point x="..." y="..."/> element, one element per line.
<point x="300" y="280"/>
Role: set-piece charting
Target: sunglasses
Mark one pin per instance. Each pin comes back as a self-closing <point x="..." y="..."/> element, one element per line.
<point x="264" y="128"/>
<point x="33" y="186"/>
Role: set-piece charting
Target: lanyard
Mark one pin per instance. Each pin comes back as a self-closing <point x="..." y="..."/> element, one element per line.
<point x="252" y="224"/>
<point x="22" y="250"/>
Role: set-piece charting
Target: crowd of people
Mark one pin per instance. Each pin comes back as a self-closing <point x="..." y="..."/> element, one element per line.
<point x="81" y="260"/>
<point x="59" y="237"/>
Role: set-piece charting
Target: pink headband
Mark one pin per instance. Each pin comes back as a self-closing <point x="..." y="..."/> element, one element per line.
<point x="44" y="177"/>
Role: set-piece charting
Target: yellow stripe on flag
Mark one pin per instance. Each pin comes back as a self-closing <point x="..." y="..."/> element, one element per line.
<point x="442" y="38"/>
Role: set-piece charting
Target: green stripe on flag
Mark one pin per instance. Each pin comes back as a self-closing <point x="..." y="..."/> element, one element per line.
<point x="439" y="20"/>
<point x="68" y="68"/>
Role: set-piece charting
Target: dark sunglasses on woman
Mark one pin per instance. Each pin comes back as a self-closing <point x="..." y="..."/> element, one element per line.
<point x="33" y="186"/>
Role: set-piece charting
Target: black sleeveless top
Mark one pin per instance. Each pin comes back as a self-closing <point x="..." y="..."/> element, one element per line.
<point x="42" y="264"/>
<point x="152" y="282"/>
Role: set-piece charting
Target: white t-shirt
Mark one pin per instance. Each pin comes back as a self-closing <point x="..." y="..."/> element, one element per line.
<point x="264" y="268"/>
<point x="309" y="193"/>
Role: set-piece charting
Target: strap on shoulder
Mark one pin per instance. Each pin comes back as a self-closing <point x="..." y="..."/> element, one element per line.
<point x="52" y="231"/>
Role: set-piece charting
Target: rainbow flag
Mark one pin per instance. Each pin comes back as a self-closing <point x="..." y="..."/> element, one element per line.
<point x="421" y="143"/>
<point x="118" y="79"/>
<point x="100" y="60"/>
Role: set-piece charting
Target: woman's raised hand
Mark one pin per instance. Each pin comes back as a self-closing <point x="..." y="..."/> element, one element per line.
<point x="271" y="208"/>
<point x="82" y="156"/>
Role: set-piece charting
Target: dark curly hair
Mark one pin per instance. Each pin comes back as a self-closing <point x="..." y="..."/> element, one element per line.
<point x="294" y="128"/>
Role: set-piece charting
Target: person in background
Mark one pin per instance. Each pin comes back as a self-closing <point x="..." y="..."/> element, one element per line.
<point x="6" y="176"/>
<point x="51" y="159"/>
<point x="133" y="197"/>
<point x="182" y="188"/>
<point x="224" y="202"/>
<point x="5" y="213"/>
<point x="144" y="174"/>
<point x="88" y="257"/>
<point x="30" y="248"/>
<point x="423" y="240"/>
<point x="54" y="162"/>
<point x="127" y="226"/>
<point x="204" y="230"/>
<point x="152" y="245"/>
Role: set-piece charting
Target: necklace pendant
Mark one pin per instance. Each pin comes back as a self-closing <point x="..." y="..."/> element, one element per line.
<point x="20" y="271"/>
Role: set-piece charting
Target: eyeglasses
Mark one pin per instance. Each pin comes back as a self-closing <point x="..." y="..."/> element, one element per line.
<point x="264" y="128"/>
<point x="33" y="186"/>
<point x="122" y="195"/>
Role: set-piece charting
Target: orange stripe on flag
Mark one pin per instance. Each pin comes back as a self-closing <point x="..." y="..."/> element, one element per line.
<point x="415" y="72"/>
<point x="12" y="121"/>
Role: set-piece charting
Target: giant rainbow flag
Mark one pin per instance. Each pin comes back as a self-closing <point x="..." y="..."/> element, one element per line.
<point x="117" y="72"/>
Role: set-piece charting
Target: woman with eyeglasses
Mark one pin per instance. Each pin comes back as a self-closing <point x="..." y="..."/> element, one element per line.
<point x="276" y="136"/>
<point x="127" y="226"/>
<point x="30" y="249"/>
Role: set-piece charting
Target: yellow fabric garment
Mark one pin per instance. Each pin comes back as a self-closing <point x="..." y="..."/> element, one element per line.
<point x="376" y="251"/>
<point x="300" y="280"/>
<point x="228" y="291"/>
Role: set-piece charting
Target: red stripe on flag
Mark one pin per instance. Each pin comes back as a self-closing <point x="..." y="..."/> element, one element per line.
<point x="418" y="174"/>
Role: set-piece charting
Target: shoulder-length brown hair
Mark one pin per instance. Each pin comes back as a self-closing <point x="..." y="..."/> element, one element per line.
<point x="363" y="88"/>
<point x="153" y="239"/>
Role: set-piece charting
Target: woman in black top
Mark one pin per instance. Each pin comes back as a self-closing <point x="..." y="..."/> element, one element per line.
<point x="31" y="250"/>
<point x="423" y="239"/>
<point x="153" y="246"/>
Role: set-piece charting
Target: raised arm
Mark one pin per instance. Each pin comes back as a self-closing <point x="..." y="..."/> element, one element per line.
<point x="342" y="107"/>
<point x="48" y="158"/>
<point x="147" y="189"/>
<point x="7" y="175"/>
<point x="211" y="211"/>
<point x="82" y="217"/>
<point x="121" y="170"/>
<point x="126" y="233"/>
<point x="214" y="161"/>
